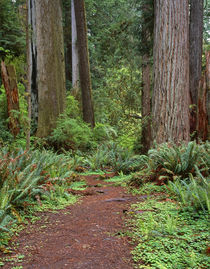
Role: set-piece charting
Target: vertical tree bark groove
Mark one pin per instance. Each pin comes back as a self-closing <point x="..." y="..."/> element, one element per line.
<point x="171" y="72"/>
<point x="50" y="64"/>
<point x="196" y="41"/>
<point x="32" y="61"/>
<point x="84" y="66"/>
<point x="10" y="84"/>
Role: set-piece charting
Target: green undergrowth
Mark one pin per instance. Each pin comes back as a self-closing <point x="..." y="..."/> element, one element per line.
<point x="167" y="234"/>
<point x="94" y="172"/>
<point x="119" y="180"/>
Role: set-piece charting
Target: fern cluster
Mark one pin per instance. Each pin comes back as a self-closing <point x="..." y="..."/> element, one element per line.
<point x="185" y="167"/>
<point x="24" y="175"/>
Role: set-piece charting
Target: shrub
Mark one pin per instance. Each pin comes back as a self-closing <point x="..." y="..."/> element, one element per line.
<point x="103" y="132"/>
<point x="171" y="162"/>
<point x="72" y="134"/>
<point x="24" y="175"/>
<point x="194" y="192"/>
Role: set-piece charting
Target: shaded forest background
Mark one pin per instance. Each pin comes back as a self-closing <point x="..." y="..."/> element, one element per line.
<point x="120" y="42"/>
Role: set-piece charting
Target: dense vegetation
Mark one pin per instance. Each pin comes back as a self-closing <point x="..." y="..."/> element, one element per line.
<point x="170" y="228"/>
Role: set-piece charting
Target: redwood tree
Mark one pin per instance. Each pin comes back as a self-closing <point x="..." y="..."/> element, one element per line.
<point x="84" y="66"/>
<point x="171" y="71"/>
<point x="50" y="64"/>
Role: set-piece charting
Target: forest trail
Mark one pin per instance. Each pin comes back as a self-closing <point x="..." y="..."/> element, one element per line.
<point x="81" y="236"/>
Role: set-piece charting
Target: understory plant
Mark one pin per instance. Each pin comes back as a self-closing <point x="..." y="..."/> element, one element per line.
<point x="112" y="155"/>
<point x="168" y="236"/>
<point x="168" y="162"/>
<point x="27" y="175"/>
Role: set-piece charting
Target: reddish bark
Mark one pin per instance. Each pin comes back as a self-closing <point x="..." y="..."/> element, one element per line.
<point x="10" y="84"/>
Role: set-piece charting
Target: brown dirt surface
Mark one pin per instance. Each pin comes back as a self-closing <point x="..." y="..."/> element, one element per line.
<point x="81" y="236"/>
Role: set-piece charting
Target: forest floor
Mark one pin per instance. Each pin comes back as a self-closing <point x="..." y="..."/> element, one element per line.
<point x="86" y="235"/>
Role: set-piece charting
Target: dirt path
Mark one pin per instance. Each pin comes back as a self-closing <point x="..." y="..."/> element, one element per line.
<point x="82" y="236"/>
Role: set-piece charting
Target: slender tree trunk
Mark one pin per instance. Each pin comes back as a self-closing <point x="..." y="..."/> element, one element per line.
<point x="203" y="126"/>
<point x="146" y="36"/>
<point x="67" y="41"/>
<point x="171" y="72"/>
<point x="75" y="55"/>
<point x="50" y="64"/>
<point x="208" y="90"/>
<point x="84" y="66"/>
<point x="32" y="62"/>
<point x="146" y="105"/>
<point x="28" y="42"/>
<point x="8" y="75"/>
<point x="196" y="42"/>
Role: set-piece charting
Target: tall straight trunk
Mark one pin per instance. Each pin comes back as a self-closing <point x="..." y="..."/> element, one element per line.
<point x="32" y="62"/>
<point x="203" y="111"/>
<point x="28" y="43"/>
<point x="196" y="42"/>
<point x="208" y="90"/>
<point x="84" y="66"/>
<point x="171" y="72"/>
<point x="146" y="37"/>
<point x="67" y="40"/>
<point x="9" y="79"/>
<point x="75" y="55"/>
<point x="50" y="64"/>
<point x="146" y="105"/>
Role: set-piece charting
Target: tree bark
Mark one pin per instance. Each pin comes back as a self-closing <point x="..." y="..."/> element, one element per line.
<point x="203" y="126"/>
<point x="28" y="43"/>
<point x="171" y="72"/>
<point x="146" y="36"/>
<point x="146" y="105"/>
<point x="75" y="55"/>
<point x="196" y="42"/>
<point x="10" y="84"/>
<point x="50" y="64"/>
<point x="84" y="66"/>
<point x="67" y="40"/>
<point x="32" y="62"/>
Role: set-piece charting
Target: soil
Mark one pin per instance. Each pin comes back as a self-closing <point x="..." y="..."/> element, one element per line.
<point x="85" y="235"/>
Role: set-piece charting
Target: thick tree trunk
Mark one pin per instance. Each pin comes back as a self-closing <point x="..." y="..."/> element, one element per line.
<point x="10" y="84"/>
<point x="171" y="72"/>
<point x="32" y="62"/>
<point x="146" y="105"/>
<point x="75" y="54"/>
<point x="50" y="64"/>
<point x="196" y="42"/>
<point x="84" y="66"/>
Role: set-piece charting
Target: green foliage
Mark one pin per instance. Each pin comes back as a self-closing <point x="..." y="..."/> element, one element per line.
<point x="194" y="192"/>
<point x="112" y="155"/>
<point x="168" y="237"/>
<point x="103" y="133"/>
<point x="71" y="134"/>
<point x="11" y="34"/>
<point x="25" y="175"/>
<point x="119" y="97"/>
<point x="72" y="107"/>
<point x="171" y="162"/>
